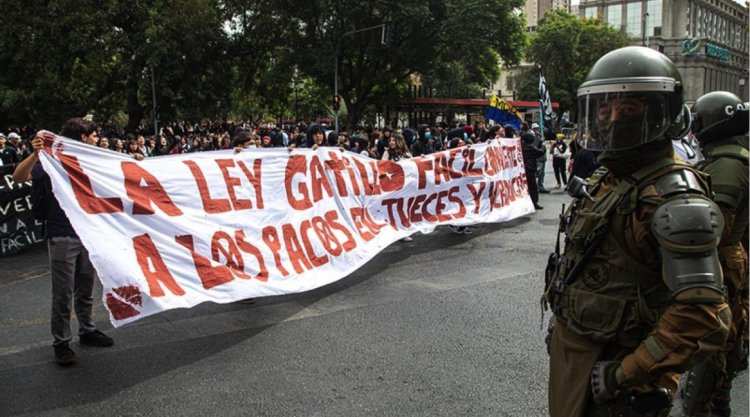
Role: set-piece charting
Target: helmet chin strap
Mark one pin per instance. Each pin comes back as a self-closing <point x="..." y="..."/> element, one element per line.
<point x="688" y="117"/>
<point x="689" y="152"/>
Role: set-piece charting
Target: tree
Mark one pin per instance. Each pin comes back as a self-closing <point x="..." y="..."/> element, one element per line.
<point x="424" y="36"/>
<point x="53" y="64"/>
<point x="70" y="58"/>
<point x="212" y="58"/>
<point x="184" y="43"/>
<point x="566" y="47"/>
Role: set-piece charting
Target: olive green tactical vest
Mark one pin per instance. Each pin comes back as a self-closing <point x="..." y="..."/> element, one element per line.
<point x="614" y="297"/>
<point x="727" y="164"/>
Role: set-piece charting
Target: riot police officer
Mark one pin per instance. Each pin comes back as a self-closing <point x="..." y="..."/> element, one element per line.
<point x="637" y="292"/>
<point x="721" y="125"/>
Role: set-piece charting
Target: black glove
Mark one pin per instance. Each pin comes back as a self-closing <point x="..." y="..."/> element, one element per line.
<point x="607" y="380"/>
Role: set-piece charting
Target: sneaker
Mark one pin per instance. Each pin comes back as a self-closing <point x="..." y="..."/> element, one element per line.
<point x="544" y="191"/>
<point x="467" y="231"/>
<point x="407" y="239"/>
<point x="96" y="338"/>
<point x="538" y="207"/>
<point x="64" y="355"/>
<point x="456" y="229"/>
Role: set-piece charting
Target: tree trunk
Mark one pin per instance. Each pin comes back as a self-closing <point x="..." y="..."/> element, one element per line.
<point x="135" y="110"/>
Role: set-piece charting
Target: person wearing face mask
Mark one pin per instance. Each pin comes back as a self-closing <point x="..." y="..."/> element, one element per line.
<point x="637" y="291"/>
<point x="424" y="144"/>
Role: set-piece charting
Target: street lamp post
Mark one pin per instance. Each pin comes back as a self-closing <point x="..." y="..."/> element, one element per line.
<point x="644" y="21"/>
<point x="296" y="103"/>
<point x="383" y="41"/>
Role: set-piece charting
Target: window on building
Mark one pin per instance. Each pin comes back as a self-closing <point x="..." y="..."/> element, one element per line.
<point x="633" y="25"/>
<point x="699" y="19"/>
<point x="614" y="15"/>
<point x="591" y="12"/>
<point x="653" y="8"/>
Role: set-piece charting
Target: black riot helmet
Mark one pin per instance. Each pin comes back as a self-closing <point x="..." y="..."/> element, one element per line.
<point x="631" y="96"/>
<point x="719" y="115"/>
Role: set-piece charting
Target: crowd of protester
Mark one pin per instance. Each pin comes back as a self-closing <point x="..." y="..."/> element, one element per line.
<point x="387" y="143"/>
<point x="185" y="137"/>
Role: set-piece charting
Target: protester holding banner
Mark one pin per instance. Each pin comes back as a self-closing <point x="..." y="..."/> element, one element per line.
<point x="316" y="136"/>
<point x="396" y="149"/>
<point x="71" y="271"/>
<point x="132" y="150"/>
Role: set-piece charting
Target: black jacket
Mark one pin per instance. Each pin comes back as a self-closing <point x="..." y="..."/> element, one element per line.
<point x="530" y="151"/>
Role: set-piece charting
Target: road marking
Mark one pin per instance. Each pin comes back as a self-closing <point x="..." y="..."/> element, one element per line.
<point x="23" y="279"/>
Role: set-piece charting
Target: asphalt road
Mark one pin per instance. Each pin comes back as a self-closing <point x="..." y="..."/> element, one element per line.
<point x="446" y="325"/>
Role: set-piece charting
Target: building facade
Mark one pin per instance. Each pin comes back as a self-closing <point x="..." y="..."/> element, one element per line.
<point x="706" y="39"/>
<point x="535" y="9"/>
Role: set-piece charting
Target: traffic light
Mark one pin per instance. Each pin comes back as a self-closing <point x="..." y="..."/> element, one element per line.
<point x="336" y="103"/>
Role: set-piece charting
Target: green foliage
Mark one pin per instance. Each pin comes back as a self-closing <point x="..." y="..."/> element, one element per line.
<point x="566" y="47"/>
<point x="51" y="61"/>
<point x="424" y="37"/>
<point x="234" y="58"/>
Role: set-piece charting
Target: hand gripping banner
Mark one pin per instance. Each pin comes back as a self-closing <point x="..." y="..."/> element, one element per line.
<point x="179" y="230"/>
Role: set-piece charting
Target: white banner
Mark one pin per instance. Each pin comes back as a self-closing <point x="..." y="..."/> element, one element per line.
<point x="178" y="230"/>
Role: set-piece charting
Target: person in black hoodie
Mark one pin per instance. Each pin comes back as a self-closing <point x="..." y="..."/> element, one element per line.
<point x="316" y="136"/>
<point x="423" y="145"/>
<point x="530" y="154"/>
<point x="382" y="142"/>
<point x="457" y="133"/>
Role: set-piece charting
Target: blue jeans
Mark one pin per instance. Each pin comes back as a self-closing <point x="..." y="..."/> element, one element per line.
<point x="540" y="174"/>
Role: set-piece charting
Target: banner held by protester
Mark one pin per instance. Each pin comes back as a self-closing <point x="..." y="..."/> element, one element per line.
<point x="179" y="230"/>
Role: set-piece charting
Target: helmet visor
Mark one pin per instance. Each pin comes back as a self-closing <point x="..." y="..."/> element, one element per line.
<point x="621" y="120"/>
